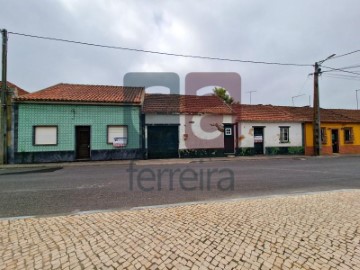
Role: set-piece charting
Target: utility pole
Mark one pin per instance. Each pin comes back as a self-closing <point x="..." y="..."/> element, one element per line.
<point x="357" y="101"/>
<point x="316" y="120"/>
<point x="3" y="125"/>
<point x="316" y="124"/>
<point x="250" y="94"/>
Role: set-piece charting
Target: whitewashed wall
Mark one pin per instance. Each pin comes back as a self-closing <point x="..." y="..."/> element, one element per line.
<point x="198" y="129"/>
<point x="162" y="119"/>
<point x="201" y="134"/>
<point x="271" y="134"/>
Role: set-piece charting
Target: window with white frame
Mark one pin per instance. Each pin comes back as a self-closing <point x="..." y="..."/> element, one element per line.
<point x="45" y="135"/>
<point x="284" y="135"/>
<point x="228" y="131"/>
<point x="117" y="134"/>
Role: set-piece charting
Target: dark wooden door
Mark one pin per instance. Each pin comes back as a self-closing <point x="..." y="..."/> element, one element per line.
<point x="335" y="140"/>
<point x="229" y="139"/>
<point x="259" y="140"/>
<point x="163" y="141"/>
<point x="82" y="142"/>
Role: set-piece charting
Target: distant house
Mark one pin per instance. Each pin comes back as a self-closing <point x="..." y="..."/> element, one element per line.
<point x="340" y="130"/>
<point x="15" y="90"/>
<point x="68" y="122"/>
<point x="268" y="129"/>
<point x="187" y="126"/>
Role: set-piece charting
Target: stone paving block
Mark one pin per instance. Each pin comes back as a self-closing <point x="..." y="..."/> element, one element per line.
<point x="318" y="231"/>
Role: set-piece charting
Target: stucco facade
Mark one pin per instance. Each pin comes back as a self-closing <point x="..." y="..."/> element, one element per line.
<point x="200" y="131"/>
<point x="351" y="146"/>
<point x="188" y="126"/>
<point x="271" y="137"/>
<point x="195" y="132"/>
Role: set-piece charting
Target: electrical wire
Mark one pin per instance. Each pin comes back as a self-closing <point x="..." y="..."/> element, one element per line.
<point x="334" y="76"/>
<point x="351" y="67"/>
<point x="338" y="69"/>
<point x="345" y="54"/>
<point x="158" y="52"/>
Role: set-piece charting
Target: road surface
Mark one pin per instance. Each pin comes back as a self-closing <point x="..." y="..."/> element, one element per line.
<point x="61" y="190"/>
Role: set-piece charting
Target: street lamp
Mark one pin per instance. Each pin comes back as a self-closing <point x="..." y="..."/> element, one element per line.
<point x="357" y="103"/>
<point x="292" y="98"/>
<point x="316" y="120"/>
<point x="250" y="94"/>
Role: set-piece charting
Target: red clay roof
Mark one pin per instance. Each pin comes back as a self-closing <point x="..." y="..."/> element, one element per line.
<point x="185" y="104"/>
<point x="270" y="113"/>
<point x="306" y="114"/>
<point x="266" y="113"/>
<point x="353" y="114"/>
<point x="20" y="91"/>
<point x="87" y="93"/>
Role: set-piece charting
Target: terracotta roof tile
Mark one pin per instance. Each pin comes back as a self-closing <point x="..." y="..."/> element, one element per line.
<point x="185" y="104"/>
<point x="270" y="113"/>
<point x="306" y="114"/>
<point x="352" y="114"/>
<point x="266" y="113"/>
<point x="20" y="91"/>
<point x="87" y="93"/>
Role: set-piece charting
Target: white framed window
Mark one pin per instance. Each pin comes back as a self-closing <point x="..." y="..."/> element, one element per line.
<point x="284" y="135"/>
<point x="45" y="135"/>
<point x="117" y="134"/>
<point x="228" y="131"/>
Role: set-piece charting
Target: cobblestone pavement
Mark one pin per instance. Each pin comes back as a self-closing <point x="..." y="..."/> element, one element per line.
<point x="318" y="231"/>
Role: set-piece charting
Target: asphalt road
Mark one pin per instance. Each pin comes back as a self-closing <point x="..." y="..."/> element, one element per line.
<point x="57" y="190"/>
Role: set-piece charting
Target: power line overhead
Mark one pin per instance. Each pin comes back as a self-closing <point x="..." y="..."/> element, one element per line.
<point x="158" y="52"/>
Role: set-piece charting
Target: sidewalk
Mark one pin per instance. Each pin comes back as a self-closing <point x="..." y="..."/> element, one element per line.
<point x="151" y="161"/>
<point x="166" y="161"/>
<point x="317" y="231"/>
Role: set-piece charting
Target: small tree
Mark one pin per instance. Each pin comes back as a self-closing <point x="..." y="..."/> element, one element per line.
<point x="222" y="93"/>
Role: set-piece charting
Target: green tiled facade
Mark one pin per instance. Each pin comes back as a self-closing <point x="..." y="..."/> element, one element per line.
<point x="67" y="116"/>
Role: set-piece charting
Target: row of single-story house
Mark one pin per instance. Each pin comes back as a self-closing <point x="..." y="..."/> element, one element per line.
<point x="268" y="129"/>
<point x="69" y="122"/>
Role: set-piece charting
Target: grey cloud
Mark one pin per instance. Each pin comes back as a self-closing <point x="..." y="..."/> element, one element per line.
<point x="281" y="31"/>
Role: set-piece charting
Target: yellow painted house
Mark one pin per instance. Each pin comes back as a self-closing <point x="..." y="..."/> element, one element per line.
<point x="340" y="130"/>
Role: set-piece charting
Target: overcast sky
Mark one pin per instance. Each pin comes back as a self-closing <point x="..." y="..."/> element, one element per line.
<point x="300" y="32"/>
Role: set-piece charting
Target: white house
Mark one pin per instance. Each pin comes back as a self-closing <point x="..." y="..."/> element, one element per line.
<point x="187" y="126"/>
<point x="267" y="129"/>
